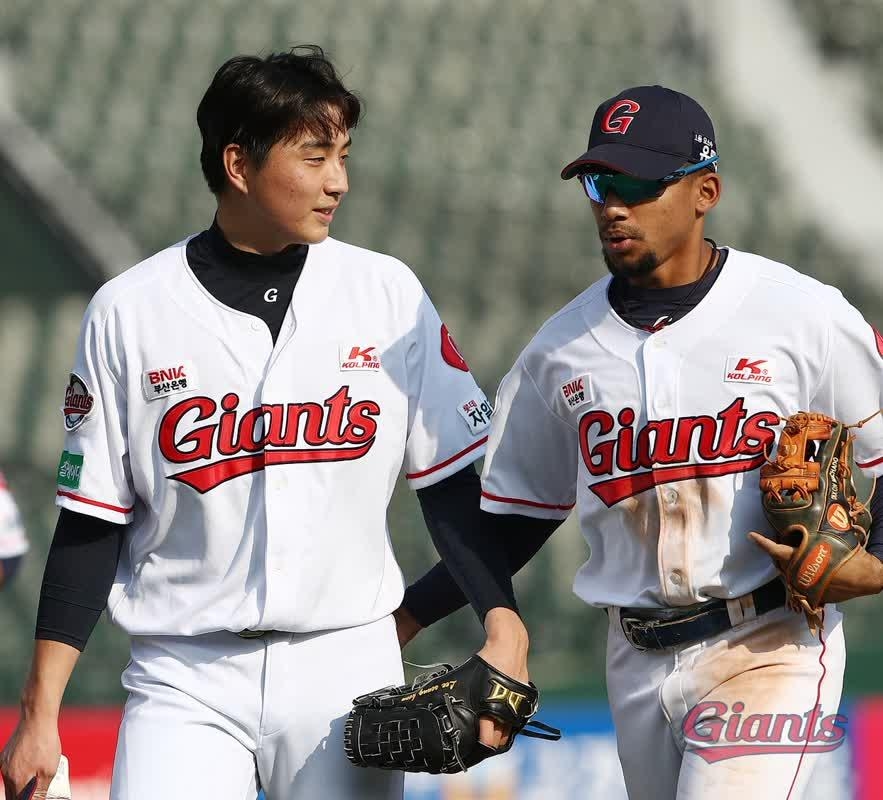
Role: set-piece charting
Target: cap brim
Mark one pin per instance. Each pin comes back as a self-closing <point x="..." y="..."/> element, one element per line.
<point x="636" y="161"/>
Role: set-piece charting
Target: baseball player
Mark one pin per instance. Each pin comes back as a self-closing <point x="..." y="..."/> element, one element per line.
<point x="649" y="403"/>
<point x="13" y="541"/>
<point x="240" y="407"/>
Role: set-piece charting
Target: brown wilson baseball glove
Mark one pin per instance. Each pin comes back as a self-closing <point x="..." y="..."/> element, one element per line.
<point x="431" y="724"/>
<point x="816" y="500"/>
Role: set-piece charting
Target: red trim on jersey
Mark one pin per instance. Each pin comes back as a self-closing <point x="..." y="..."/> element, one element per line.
<point x="91" y="502"/>
<point x="815" y="706"/>
<point x="518" y="502"/>
<point x="411" y="475"/>
<point x="870" y="463"/>
<point x="615" y="489"/>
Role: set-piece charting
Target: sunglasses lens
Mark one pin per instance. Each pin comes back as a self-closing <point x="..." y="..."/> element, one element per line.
<point x="595" y="186"/>
<point x="628" y="189"/>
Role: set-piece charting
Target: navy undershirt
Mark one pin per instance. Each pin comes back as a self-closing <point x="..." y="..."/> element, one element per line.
<point x="254" y="284"/>
<point x="641" y="307"/>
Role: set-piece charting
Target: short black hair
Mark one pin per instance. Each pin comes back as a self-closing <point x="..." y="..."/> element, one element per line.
<point x="256" y="102"/>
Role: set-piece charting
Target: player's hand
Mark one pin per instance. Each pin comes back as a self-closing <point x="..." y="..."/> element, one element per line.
<point x="406" y="626"/>
<point x="32" y="752"/>
<point x="506" y="649"/>
<point x="861" y="575"/>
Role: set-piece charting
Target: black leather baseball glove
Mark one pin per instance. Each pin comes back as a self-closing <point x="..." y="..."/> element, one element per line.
<point x="431" y="724"/>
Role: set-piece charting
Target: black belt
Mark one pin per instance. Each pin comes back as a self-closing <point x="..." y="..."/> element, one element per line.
<point x="661" y="628"/>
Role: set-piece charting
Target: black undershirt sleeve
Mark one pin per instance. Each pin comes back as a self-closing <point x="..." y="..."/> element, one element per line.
<point x="875" y="535"/>
<point x="480" y="551"/>
<point x="79" y="573"/>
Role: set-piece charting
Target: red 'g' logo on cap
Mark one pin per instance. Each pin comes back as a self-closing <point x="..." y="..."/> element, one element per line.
<point x="620" y="124"/>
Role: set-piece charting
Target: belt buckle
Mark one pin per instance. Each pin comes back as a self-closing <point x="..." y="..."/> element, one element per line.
<point x="250" y="634"/>
<point x="628" y="626"/>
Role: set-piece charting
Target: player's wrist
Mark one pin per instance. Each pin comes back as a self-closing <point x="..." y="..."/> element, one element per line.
<point x="407" y="626"/>
<point x="504" y="625"/>
<point x="39" y="702"/>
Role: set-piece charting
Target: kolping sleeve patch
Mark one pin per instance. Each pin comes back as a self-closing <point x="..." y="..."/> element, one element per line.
<point x="78" y="403"/>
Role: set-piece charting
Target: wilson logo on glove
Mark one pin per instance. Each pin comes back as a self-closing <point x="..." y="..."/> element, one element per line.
<point x="815" y="565"/>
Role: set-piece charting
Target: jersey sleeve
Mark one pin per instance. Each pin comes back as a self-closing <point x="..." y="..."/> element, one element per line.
<point x="13" y="542"/>
<point x="851" y="385"/>
<point x="532" y="459"/>
<point x="448" y="414"/>
<point x="93" y="472"/>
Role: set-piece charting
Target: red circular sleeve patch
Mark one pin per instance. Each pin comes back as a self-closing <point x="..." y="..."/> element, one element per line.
<point x="877" y="336"/>
<point x="450" y="352"/>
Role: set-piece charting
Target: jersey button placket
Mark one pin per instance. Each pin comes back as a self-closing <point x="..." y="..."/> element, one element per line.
<point x="660" y="377"/>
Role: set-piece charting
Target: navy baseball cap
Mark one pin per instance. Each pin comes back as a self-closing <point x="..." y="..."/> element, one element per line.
<point x="647" y="132"/>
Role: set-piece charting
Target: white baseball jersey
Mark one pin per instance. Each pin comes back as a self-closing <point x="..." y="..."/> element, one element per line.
<point x="657" y="438"/>
<point x="256" y="477"/>
<point x="13" y="541"/>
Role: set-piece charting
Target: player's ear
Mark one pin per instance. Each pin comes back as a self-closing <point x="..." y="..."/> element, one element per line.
<point x="236" y="164"/>
<point x="708" y="192"/>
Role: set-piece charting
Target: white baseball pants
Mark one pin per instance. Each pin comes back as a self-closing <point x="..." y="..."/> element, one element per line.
<point x="217" y="716"/>
<point x="771" y="666"/>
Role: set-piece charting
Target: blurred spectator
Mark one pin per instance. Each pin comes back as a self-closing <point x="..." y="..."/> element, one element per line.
<point x="13" y="542"/>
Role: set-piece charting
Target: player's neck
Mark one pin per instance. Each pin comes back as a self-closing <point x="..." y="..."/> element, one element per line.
<point x="681" y="268"/>
<point x="242" y="230"/>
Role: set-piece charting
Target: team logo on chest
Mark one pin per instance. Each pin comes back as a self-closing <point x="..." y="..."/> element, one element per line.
<point x="337" y="429"/>
<point x="662" y="450"/>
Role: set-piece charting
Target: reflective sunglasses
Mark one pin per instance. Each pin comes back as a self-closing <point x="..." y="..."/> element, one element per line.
<point x="633" y="190"/>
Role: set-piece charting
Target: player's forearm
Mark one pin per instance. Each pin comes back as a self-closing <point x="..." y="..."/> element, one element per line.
<point x="474" y="558"/>
<point x="79" y="573"/>
<point x="437" y="594"/>
<point x="51" y="669"/>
